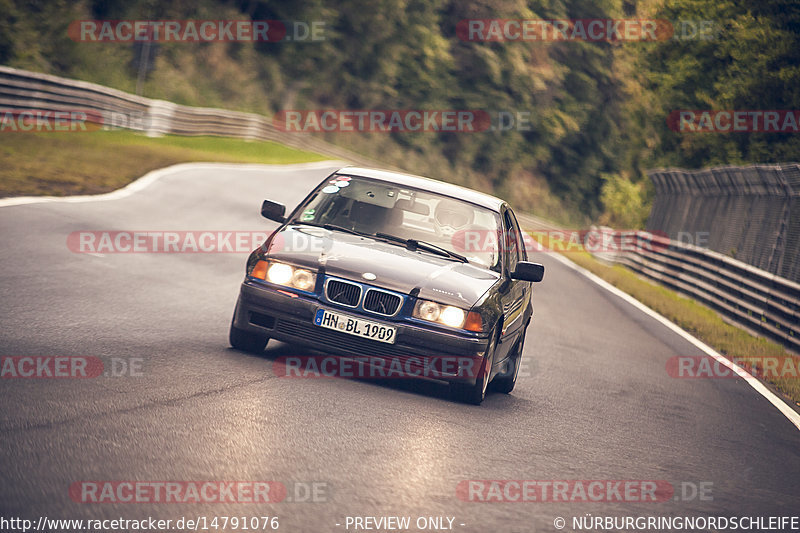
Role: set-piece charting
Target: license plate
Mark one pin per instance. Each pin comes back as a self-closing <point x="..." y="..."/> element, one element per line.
<point x="355" y="326"/>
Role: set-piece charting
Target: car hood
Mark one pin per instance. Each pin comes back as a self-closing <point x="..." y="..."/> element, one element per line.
<point x="394" y="267"/>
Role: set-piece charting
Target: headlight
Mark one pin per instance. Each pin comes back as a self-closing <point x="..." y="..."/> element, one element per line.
<point x="428" y="310"/>
<point x="280" y="274"/>
<point x="286" y="275"/>
<point x="448" y="315"/>
<point x="304" y="279"/>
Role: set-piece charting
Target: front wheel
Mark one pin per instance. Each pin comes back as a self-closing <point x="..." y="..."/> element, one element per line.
<point x="247" y="341"/>
<point x="504" y="383"/>
<point x="475" y="394"/>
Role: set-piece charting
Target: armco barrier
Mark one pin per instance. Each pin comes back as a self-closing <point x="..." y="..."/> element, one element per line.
<point x="752" y="298"/>
<point x="22" y="90"/>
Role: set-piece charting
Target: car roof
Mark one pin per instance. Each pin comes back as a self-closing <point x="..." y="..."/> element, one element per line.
<point x="419" y="182"/>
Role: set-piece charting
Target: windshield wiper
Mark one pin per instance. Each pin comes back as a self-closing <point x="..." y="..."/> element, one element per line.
<point x="438" y="249"/>
<point x="413" y="244"/>
<point x="392" y="238"/>
<point x="332" y="227"/>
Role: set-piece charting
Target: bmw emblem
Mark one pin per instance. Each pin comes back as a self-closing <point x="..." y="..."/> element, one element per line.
<point x="369" y="276"/>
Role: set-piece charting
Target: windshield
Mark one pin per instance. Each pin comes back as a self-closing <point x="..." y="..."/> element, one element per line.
<point x="373" y="207"/>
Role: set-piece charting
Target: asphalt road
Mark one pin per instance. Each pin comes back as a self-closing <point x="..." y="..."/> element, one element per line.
<point x="594" y="401"/>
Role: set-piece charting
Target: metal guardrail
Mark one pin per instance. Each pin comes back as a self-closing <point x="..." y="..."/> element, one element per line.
<point x="752" y="298"/>
<point x="22" y="90"/>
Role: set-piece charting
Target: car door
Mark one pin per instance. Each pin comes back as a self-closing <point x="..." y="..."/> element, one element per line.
<point x="514" y="296"/>
<point x="525" y="287"/>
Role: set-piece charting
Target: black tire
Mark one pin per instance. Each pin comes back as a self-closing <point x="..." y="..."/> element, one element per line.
<point x="505" y="382"/>
<point x="247" y="341"/>
<point x="475" y="394"/>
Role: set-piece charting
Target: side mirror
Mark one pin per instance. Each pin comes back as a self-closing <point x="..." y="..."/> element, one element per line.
<point x="273" y="211"/>
<point x="527" y="271"/>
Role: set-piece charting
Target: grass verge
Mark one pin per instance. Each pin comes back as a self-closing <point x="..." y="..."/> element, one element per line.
<point x="61" y="164"/>
<point x="702" y="322"/>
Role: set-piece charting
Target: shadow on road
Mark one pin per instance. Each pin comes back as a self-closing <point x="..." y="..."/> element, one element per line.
<point x="423" y="387"/>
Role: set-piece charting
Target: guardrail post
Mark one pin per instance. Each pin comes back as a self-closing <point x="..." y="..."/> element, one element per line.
<point x="159" y="118"/>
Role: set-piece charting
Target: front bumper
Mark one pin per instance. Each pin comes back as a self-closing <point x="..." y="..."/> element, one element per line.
<point x="266" y="311"/>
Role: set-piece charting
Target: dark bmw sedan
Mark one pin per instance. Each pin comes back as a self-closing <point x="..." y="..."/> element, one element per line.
<point x="397" y="270"/>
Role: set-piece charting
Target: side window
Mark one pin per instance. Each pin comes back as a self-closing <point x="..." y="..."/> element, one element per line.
<point x="510" y="241"/>
<point x="523" y="253"/>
